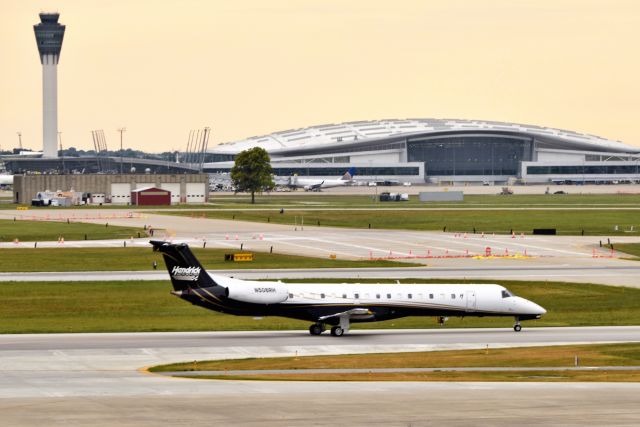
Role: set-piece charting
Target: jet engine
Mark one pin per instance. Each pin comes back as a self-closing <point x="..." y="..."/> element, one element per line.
<point x="257" y="292"/>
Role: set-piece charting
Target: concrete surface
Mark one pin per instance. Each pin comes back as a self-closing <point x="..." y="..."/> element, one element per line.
<point x="353" y="404"/>
<point x="621" y="275"/>
<point x="91" y="379"/>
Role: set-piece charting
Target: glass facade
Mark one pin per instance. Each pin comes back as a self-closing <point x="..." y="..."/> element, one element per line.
<point x="583" y="170"/>
<point x="49" y="34"/>
<point x="336" y="171"/>
<point x="470" y="154"/>
<point x="215" y="157"/>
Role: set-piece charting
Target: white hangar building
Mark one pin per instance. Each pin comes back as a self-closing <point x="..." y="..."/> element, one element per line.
<point x="440" y="150"/>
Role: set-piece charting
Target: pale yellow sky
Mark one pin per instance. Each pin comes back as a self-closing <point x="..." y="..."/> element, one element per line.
<point x="252" y="67"/>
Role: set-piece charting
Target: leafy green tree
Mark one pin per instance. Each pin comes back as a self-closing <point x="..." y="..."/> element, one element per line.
<point x="252" y="172"/>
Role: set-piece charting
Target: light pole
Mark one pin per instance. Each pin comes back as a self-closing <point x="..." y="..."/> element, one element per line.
<point x="121" y="130"/>
<point x="61" y="153"/>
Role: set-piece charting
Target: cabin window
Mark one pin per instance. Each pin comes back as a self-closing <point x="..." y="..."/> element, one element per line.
<point x="321" y="295"/>
<point x="409" y="296"/>
<point x="388" y="296"/>
<point x="290" y="295"/>
<point x="461" y="296"/>
<point x="344" y="296"/>
<point x="356" y="296"/>
<point x="430" y="296"/>
<point x="453" y="296"/>
<point x="378" y="296"/>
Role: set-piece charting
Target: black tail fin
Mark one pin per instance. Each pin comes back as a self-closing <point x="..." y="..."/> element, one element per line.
<point x="184" y="268"/>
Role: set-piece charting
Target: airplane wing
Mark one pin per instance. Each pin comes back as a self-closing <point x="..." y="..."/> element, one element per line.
<point x="357" y="313"/>
<point x="316" y="186"/>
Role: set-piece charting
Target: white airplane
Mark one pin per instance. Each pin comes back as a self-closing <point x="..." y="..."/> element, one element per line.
<point x="310" y="184"/>
<point x="336" y="304"/>
<point x="6" y="179"/>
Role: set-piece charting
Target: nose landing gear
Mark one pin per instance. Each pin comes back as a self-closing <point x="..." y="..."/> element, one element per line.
<point x="517" y="326"/>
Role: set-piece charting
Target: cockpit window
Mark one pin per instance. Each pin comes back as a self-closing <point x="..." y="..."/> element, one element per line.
<point x="506" y="294"/>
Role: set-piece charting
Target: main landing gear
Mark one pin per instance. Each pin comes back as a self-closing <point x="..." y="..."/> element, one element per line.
<point x="517" y="326"/>
<point x="336" y="331"/>
<point x="317" y="329"/>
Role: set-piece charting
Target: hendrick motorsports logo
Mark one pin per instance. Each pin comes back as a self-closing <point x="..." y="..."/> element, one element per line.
<point x="185" y="273"/>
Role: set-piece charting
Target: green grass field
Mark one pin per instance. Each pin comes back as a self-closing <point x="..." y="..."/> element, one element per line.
<point x="628" y="248"/>
<point x="134" y="259"/>
<point x="29" y="307"/>
<point x="326" y="199"/>
<point x="492" y="376"/>
<point x="599" y="355"/>
<point x="574" y="222"/>
<point x="570" y="214"/>
<point x="529" y="357"/>
<point x="40" y="231"/>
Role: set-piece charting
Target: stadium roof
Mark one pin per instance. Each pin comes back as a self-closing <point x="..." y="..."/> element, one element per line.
<point x="324" y="135"/>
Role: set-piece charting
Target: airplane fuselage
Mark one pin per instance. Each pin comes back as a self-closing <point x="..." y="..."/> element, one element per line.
<point x="318" y="184"/>
<point x="306" y="301"/>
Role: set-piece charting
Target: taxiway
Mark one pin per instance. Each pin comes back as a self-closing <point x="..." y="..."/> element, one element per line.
<point x="94" y="379"/>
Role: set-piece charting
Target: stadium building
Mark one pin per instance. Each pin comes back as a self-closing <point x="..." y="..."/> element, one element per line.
<point x="440" y="150"/>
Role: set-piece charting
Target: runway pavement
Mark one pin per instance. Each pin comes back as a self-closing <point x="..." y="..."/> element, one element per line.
<point x="620" y="275"/>
<point x="93" y="379"/>
<point x="353" y="404"/>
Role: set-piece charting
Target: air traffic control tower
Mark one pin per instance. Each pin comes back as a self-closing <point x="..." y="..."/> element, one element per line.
<point x="49" y="35"/>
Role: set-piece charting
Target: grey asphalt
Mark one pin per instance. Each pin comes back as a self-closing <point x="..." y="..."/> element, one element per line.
<point x="82" y="379"/>
<point x="620" y="275"/>
<point x="352" y="404"/>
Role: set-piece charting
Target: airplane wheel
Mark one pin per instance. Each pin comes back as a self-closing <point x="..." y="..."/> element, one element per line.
<point x="337" y="331"/>
<point x="316" y="329"/>
<point x="517" y="328"/>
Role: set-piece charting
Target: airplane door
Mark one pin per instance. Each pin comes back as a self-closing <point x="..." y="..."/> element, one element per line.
<point x="471" y="300"/>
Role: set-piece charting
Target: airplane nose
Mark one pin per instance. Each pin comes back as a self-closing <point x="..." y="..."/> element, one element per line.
<point x="537" y="309"/>
<point x="531" y="307"/>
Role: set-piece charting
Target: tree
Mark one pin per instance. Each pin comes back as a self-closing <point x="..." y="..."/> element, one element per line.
<point x="252" y="172"/>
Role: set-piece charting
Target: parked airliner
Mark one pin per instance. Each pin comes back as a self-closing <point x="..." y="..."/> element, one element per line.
<point x="310" y="184"/>
<point x="6" y="179"/>
<point x="337" y="305"/>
